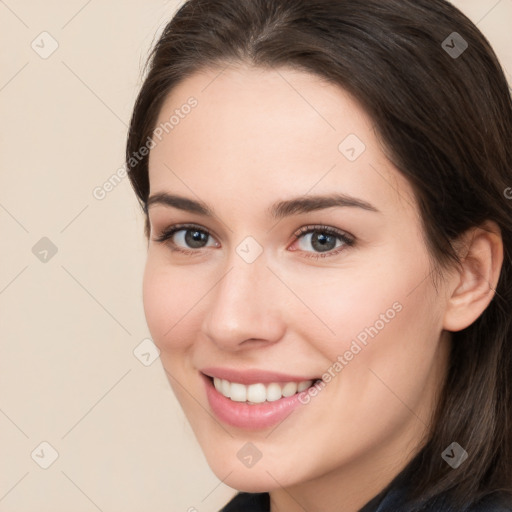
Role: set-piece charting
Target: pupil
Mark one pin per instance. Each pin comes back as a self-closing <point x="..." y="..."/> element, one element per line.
<point x="323" y="241"/>
<point x="195" y="240"/>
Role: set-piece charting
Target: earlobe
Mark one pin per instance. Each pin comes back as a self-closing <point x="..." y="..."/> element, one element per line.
<point x="474" y="284"/>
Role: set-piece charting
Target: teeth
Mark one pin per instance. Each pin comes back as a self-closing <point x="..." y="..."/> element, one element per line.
<point x="238" y="392"/>
<point x="274" y="392"/>
<point x="226" y="387"/>
<point x="303" y="385"/>
<point x="258" y="393"/>
<point x="289" y="389"/>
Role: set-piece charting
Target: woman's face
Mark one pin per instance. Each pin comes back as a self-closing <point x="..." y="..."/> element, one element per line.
<point x="267" y="313"/>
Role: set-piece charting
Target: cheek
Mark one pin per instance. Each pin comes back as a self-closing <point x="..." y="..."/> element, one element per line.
<point x="167" y="299"/>
<point x="384" y="317"/>
<point x="389" y="354"/>
<point x="345" y="305"/>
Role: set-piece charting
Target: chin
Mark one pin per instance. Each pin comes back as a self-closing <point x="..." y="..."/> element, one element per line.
<point x="250" y="482"/>
<point x="263" y="476"/>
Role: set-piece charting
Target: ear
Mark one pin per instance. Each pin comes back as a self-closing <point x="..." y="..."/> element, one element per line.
<point x="473" y="285"/>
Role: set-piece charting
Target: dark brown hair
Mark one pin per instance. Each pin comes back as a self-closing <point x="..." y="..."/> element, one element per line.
<point x="445" y="122"/>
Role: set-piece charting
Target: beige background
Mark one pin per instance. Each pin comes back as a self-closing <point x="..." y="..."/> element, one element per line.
<point x="70" y="325"/>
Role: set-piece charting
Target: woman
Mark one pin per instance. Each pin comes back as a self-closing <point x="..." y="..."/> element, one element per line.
<point x="326" y="187"/>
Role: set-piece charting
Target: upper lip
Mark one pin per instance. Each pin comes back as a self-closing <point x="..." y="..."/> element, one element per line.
<point x="252" y="375"/>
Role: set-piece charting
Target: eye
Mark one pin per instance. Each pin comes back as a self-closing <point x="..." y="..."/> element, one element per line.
<point x="323" y="239"/>
<point x="186" y="236"/>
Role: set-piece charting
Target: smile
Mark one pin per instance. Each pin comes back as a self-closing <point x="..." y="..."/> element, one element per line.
<point x="259" y="392"/>
<point x="262" y="400"/>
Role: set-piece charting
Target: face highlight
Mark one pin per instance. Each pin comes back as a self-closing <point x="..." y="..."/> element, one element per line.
<point x="297" y="259"/>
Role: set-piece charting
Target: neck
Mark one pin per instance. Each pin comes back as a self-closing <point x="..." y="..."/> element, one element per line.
<point x="349" y="488"/>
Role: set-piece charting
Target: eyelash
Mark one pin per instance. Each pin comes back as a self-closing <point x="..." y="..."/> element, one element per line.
<point x="347" y="240"/>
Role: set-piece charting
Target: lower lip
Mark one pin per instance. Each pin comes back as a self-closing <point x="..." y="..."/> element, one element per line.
<point x="246" y="416"/>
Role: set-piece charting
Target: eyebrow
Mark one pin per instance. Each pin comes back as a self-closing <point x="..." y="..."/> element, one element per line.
<point x="279" y="210"/>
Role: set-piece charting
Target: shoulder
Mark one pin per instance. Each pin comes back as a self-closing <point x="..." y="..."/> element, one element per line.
<point x="248" y="502"/>
<point x="399" y="500"/>
<point x="496" y="502"/>
<point x="260" y="502"/>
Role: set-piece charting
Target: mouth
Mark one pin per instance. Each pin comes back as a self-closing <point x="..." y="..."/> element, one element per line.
<point x="255" y="405"/>
<point x="259" y="392"/>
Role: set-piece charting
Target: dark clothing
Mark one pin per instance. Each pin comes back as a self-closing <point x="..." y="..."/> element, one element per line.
<point x="391" y="499"/>
<point x="244" y="502"/>
<point x="248" y="503"/>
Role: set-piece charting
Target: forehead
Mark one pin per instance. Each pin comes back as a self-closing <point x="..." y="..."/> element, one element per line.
<point x="282" y="131"/>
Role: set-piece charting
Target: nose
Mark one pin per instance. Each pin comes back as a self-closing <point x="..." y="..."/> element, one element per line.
<point x="244" y="308"/>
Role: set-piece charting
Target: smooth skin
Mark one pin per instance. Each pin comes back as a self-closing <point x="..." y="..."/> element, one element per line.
<point x="255" y="138"/>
